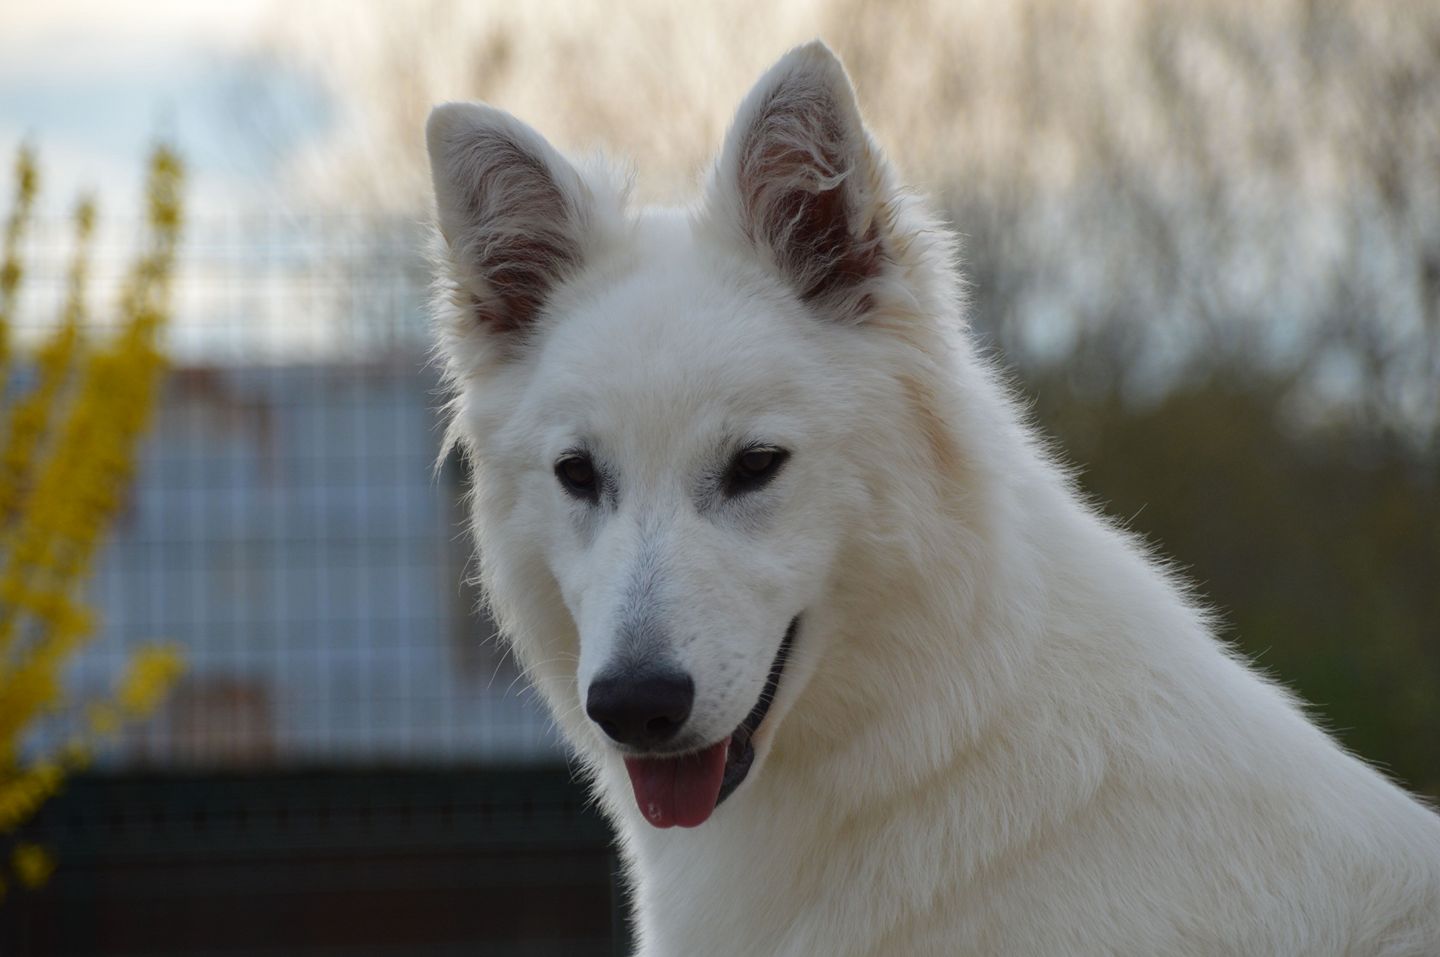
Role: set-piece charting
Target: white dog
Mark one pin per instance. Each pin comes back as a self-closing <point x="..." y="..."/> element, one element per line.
<point x="794" y="574"/>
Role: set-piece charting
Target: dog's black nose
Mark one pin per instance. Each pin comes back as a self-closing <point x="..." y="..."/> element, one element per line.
<point x="642" y="710"/>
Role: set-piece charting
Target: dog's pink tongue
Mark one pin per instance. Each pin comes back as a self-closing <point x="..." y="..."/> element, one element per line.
<point x="681" y="790"/>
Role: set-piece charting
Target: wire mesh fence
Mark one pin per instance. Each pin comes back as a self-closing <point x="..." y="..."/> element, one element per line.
<point x="350" y="764"/>
<point x="287" y="529"/>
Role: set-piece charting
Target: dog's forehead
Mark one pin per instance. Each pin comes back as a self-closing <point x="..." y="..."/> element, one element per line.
<point x="685" y="340"/>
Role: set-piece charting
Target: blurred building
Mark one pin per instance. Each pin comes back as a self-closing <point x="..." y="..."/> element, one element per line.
<point x="287" y="527"/>
<point x="349" y="764"/>
<point x="288" y="531"/>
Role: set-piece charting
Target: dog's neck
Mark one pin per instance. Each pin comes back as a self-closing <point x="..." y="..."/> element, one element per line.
<point x="932" y="638"/>
<point x="928" y="639"/>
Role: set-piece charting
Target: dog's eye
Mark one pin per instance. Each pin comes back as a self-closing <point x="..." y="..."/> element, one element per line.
<point x="577" y="473"/>
<point x="753" y="468"/>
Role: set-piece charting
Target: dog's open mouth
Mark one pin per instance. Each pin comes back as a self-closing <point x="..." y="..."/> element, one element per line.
<point x="685" y="789"/>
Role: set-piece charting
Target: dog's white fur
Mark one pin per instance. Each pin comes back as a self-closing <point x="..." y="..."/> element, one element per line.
<point x="1005" y="728"/>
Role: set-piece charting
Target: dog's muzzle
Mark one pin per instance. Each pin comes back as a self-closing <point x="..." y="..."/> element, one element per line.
<point x="684" y="789"/>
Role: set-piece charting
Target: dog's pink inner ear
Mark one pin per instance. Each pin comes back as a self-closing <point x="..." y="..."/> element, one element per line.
<point x="514" y="237"/>
<point x="804" y="196"/>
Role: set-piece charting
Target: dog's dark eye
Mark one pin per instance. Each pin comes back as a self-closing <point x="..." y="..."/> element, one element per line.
<point x="577" y="473"/>
<point x="753" y="468"/>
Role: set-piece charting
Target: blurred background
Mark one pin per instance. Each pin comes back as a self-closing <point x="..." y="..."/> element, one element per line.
<point x="1203" y="236"/>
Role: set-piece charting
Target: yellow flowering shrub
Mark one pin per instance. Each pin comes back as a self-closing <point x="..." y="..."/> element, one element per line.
<point x="68" y="439"/>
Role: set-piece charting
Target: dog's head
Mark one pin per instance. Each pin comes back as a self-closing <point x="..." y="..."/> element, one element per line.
<point x="667" y="412"/>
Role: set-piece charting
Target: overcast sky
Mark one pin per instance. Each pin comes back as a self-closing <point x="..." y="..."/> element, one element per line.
<point x="91" y="83"/>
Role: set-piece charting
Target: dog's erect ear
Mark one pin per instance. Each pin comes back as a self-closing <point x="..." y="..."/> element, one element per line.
<point x="513" y="213"/>
<point x="804" y="182"/>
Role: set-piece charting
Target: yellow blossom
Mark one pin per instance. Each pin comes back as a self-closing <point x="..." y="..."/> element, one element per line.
<point x="33" y="864"/>
<point x="27" y="183"/>
<point x="152" y="671"/>
<point x="30" y="417"/>
<point x="66" y="454"/>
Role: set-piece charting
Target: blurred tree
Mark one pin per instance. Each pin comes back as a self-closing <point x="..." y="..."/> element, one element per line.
<point x="1320" y="548"/>
<point x="1205" y="234"/>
